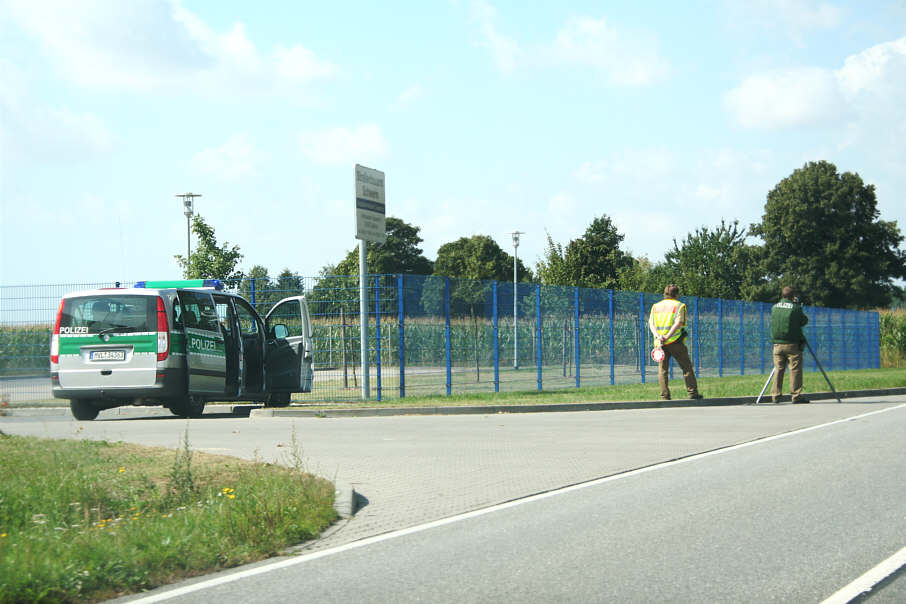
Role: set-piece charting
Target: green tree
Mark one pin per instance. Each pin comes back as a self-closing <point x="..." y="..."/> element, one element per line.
<point x="469" y="261"/>
<point x="593" y="260"/>
<point x="711" y="263"/>
<point x="210" y="261"/>
<point x="289" y="284"/>
<point x="399" y="254"/>
<point x="258" y="281"/>
<point x="822" y="234"/>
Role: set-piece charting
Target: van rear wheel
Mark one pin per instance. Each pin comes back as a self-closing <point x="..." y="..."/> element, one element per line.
<point x="189" y="406"/>
<point x="83" y="410"/>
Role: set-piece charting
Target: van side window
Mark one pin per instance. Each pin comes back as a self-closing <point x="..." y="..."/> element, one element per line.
<point x="248" y="325"/>
<point x="289" y="314"/>
<point x="198" y="311"/>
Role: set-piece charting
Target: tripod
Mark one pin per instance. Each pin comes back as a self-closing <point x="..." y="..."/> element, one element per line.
<point x="817" y="362"/>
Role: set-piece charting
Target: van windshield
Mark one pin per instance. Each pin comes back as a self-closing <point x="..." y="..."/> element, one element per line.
<point x="109" y="314"/>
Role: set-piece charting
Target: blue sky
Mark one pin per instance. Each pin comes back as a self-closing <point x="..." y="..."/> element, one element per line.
<point x="486" y="116"/>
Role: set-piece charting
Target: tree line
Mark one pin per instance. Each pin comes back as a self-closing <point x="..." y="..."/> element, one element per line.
<point x="821" y="232"/>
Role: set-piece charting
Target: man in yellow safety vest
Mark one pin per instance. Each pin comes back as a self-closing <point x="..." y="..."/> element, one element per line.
<point x="667" y="323"/>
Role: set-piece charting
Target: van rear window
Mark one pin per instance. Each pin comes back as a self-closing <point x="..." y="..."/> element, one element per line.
<point x="109" y="314"/>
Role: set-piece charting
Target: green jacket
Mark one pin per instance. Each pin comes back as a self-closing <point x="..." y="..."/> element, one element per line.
<point x="787" y="320"/>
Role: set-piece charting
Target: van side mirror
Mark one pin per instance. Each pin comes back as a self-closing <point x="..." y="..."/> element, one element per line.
<point x="280" y="331"/>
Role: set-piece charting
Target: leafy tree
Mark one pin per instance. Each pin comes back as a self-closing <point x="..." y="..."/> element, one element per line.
<point x="823" y="235"/>
<point x="399" y="254"/>
<point x="289" y="284"/>
<point x="258" y="281"/>
<point x="210" y="261"/>
<point x="711" y="263"/>
<point x="471" y="260"/>
<point x="593" y="260"/>
<point x="644" y="276"/>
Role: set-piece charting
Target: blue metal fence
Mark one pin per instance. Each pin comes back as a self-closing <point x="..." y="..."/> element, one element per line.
<point x="439" y="335"/>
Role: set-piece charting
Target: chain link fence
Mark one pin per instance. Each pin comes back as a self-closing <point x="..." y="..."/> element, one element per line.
<point x="432" y="335"/>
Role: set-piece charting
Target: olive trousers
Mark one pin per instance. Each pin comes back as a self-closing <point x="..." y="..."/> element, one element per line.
<point x="783" y="354"/>
<point x="678" y="351"/>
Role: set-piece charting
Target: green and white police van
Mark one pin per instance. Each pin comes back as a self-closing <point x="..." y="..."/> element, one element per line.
<point x="178" y="344"/>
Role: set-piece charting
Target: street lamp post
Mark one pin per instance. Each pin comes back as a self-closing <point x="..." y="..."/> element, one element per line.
<point x="188" y="205"/>
<point x="515" y="235"/>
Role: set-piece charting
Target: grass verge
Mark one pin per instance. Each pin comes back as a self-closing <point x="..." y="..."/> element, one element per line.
<point x="711" y="387"/>
<point x="91" y="520"/>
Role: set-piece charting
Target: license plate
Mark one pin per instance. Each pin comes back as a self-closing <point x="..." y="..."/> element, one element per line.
<point x="108" y="355"/>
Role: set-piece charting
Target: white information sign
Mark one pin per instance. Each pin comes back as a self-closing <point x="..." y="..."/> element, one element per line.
<point x="370" y="215"/>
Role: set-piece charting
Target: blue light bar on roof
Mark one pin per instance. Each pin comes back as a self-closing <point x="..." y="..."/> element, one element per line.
<point x="205" y="283"/>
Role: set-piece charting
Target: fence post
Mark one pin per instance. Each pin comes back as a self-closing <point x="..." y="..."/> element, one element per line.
<point x="698" y="356"/>
<point x="496" y="341"/>
<point x="447" y="333"/>
<point x="761" y="335"/>
<point x="876" y="338"/>
<point x="402" y="334"/>
<point x="642" y="335"/>
<point x="538" y="330"/>
<point x="377" y="332"/>
<point x="858" y="339"/>
<point x="742" y="346"/>
<point x="612" y="353"/>
<point x="252" y="291"/>
<point x="576" y="336"/>
<point x="720" y="337"/>
<point x="843" y="336"/>
<point x="830" y="341"/>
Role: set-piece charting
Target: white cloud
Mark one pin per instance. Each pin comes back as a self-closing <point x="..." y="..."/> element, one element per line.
<point x="410" y="95"/>
<point x="233" y="160"/>
<point x="626" y="58"/>
<point x="45" y="132"/>
<point x="869" y="84"/>
<point x="363" y="143"/>
<point x="796" y="97"/>
<point x="505" y="51"/>
<point x="793" y="19"/>
<point x="621" y="56"/>
<point x="147" y="44"/>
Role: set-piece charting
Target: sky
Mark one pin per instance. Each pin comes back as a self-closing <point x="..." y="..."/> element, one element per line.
<point x="486" y="116"/>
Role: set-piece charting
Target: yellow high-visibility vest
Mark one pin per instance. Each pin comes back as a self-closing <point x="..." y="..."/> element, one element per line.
<point x="664" y="315"/>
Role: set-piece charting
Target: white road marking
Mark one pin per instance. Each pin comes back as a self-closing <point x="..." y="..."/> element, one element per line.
<point x="867" y="581"/>
<point x="206" y="584"/>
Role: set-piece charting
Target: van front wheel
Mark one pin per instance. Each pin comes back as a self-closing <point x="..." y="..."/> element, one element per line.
<point x="83" y="410"/>
<point x="190" y="406"/>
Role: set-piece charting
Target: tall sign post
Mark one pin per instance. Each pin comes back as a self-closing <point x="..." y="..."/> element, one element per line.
<point x="370" y="225"/>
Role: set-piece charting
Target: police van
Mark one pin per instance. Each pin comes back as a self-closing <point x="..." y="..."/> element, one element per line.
<point x="178" y="344"/>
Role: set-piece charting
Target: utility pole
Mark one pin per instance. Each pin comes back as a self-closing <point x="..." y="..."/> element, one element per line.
<point x="515" y="235"/>
<point x="188" y="205"/>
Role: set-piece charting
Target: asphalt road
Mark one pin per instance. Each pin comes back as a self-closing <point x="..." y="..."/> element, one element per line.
<point x="787" y="519"/>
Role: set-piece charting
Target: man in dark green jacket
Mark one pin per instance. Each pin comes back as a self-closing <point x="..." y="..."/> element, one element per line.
<point x="787" y="320"/>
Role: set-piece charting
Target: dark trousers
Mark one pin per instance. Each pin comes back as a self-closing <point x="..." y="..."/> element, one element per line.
<point x="678" y="351"/>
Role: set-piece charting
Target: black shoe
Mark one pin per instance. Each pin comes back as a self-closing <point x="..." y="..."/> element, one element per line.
<point x="801" y="401"/>
<point x="695" y="397"/>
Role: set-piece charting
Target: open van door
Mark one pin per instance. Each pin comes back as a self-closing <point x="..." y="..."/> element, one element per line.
<point x="289" y="362"/>
<point x="205" y="351"/>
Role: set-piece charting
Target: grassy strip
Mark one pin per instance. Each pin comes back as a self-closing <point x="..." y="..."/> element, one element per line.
<point x="90" y="520"/>
<point x="711" y="387"/>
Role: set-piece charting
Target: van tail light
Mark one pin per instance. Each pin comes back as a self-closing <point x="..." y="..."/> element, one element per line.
<point x="163" y="331"/>
<point x="55" y="338"/>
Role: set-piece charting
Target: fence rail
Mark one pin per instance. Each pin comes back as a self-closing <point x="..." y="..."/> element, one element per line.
<point x="438" y="335"/>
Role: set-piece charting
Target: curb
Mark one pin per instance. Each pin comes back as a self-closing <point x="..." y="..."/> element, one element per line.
<point x="549" y="408"/>
<point x="251" y="411"/>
